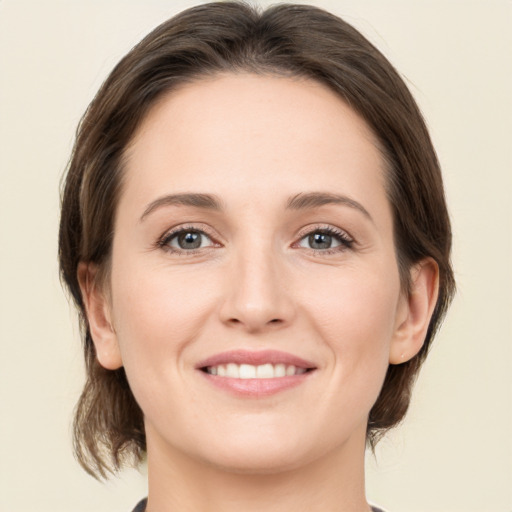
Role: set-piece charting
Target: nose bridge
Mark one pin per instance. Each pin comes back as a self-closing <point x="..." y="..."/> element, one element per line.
<point x="257" y="298"/>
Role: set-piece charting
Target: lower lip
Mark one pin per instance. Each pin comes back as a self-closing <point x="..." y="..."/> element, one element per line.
<point x="256" y="387"/>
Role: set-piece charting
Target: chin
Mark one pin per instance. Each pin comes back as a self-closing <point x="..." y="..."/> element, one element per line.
<point x="256" y="462"/>
<point x="261" y="451"/>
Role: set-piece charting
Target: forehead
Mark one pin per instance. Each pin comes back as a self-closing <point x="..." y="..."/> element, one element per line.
<point x="251" y="130"/>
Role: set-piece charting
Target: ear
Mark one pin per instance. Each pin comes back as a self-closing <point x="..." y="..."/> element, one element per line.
<point x="98" y="310"/>
<point x="415" y="311"/>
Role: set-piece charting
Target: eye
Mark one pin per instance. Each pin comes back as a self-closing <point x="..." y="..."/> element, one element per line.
<point x="186" y="239"/>
<point x="326" y="240"/>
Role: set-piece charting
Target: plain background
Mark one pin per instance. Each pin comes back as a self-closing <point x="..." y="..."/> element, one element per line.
<point x="454" y="451"/>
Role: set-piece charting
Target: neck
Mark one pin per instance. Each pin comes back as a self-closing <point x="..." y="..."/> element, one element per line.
<point x="331" y="483"/>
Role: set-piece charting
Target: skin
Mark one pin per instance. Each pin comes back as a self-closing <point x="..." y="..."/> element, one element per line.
<point x="256" y="283"/>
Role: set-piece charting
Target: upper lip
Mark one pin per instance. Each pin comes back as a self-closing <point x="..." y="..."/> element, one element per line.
<point x="256" y="358"/>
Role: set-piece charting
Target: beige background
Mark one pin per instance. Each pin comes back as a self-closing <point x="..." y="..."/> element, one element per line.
<point x="454" y="452"/>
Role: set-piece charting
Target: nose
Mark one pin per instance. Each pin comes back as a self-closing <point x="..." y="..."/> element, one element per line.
<point x="258" y="294"/>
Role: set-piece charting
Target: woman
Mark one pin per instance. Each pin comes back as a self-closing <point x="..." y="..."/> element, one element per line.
<point x="255" y="233"/>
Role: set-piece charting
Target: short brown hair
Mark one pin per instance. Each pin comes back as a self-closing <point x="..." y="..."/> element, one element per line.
<point x="291" y="40"/>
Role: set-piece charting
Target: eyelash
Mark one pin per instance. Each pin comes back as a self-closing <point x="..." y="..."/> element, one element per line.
<point x="345" y="241"/>
<point x="165" y="240"/>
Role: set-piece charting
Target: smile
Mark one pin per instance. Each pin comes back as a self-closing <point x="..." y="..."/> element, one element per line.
<point x="249" y="371"/>
<point x="256" y="374"/>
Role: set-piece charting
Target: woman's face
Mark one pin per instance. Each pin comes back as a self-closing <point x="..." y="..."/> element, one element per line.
<point x="254" y="236"/>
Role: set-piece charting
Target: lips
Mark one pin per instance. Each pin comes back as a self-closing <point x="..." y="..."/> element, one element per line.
<point x="256" y="358"/>
<point x="255" y="373"/>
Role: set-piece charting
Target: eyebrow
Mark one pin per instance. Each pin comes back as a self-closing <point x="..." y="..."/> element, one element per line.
<point x="311" y="200"/>
<point x="302" y="201"/>
<point x="204" y="201"/>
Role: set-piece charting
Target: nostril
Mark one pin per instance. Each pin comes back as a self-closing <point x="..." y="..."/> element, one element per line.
<point x="254" y="323"/>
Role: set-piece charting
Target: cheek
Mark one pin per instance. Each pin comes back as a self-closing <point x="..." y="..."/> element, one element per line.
<point x="356" y="318"/>
<point x="157" y="313"/>
<point x="359" y="302"/>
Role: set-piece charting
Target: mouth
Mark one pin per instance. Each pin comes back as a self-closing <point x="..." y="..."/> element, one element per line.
<point x="256" y="373"/>
<point x="249" y="371"/>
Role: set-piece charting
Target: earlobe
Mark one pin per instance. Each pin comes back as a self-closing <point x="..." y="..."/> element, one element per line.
<point x="99" y="317"/>
<point x="416" y="311"/>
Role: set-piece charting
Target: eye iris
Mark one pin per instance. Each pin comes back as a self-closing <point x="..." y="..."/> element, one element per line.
<point x="320" y="241"/>
<point x="189" y="240"/>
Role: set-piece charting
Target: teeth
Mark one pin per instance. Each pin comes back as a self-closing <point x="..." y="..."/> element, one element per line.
<point x="233" y="371"/>
<point x="280" y="370"/>
<point x="265" y="371"/>
<point x="249" y="371"/>
<point x="246" y="371"/>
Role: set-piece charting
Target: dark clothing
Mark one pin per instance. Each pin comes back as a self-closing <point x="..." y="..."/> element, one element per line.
<point x="141" y="507"/>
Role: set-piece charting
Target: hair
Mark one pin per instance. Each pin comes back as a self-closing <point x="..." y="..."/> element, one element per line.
<point x="229" y="37"/>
